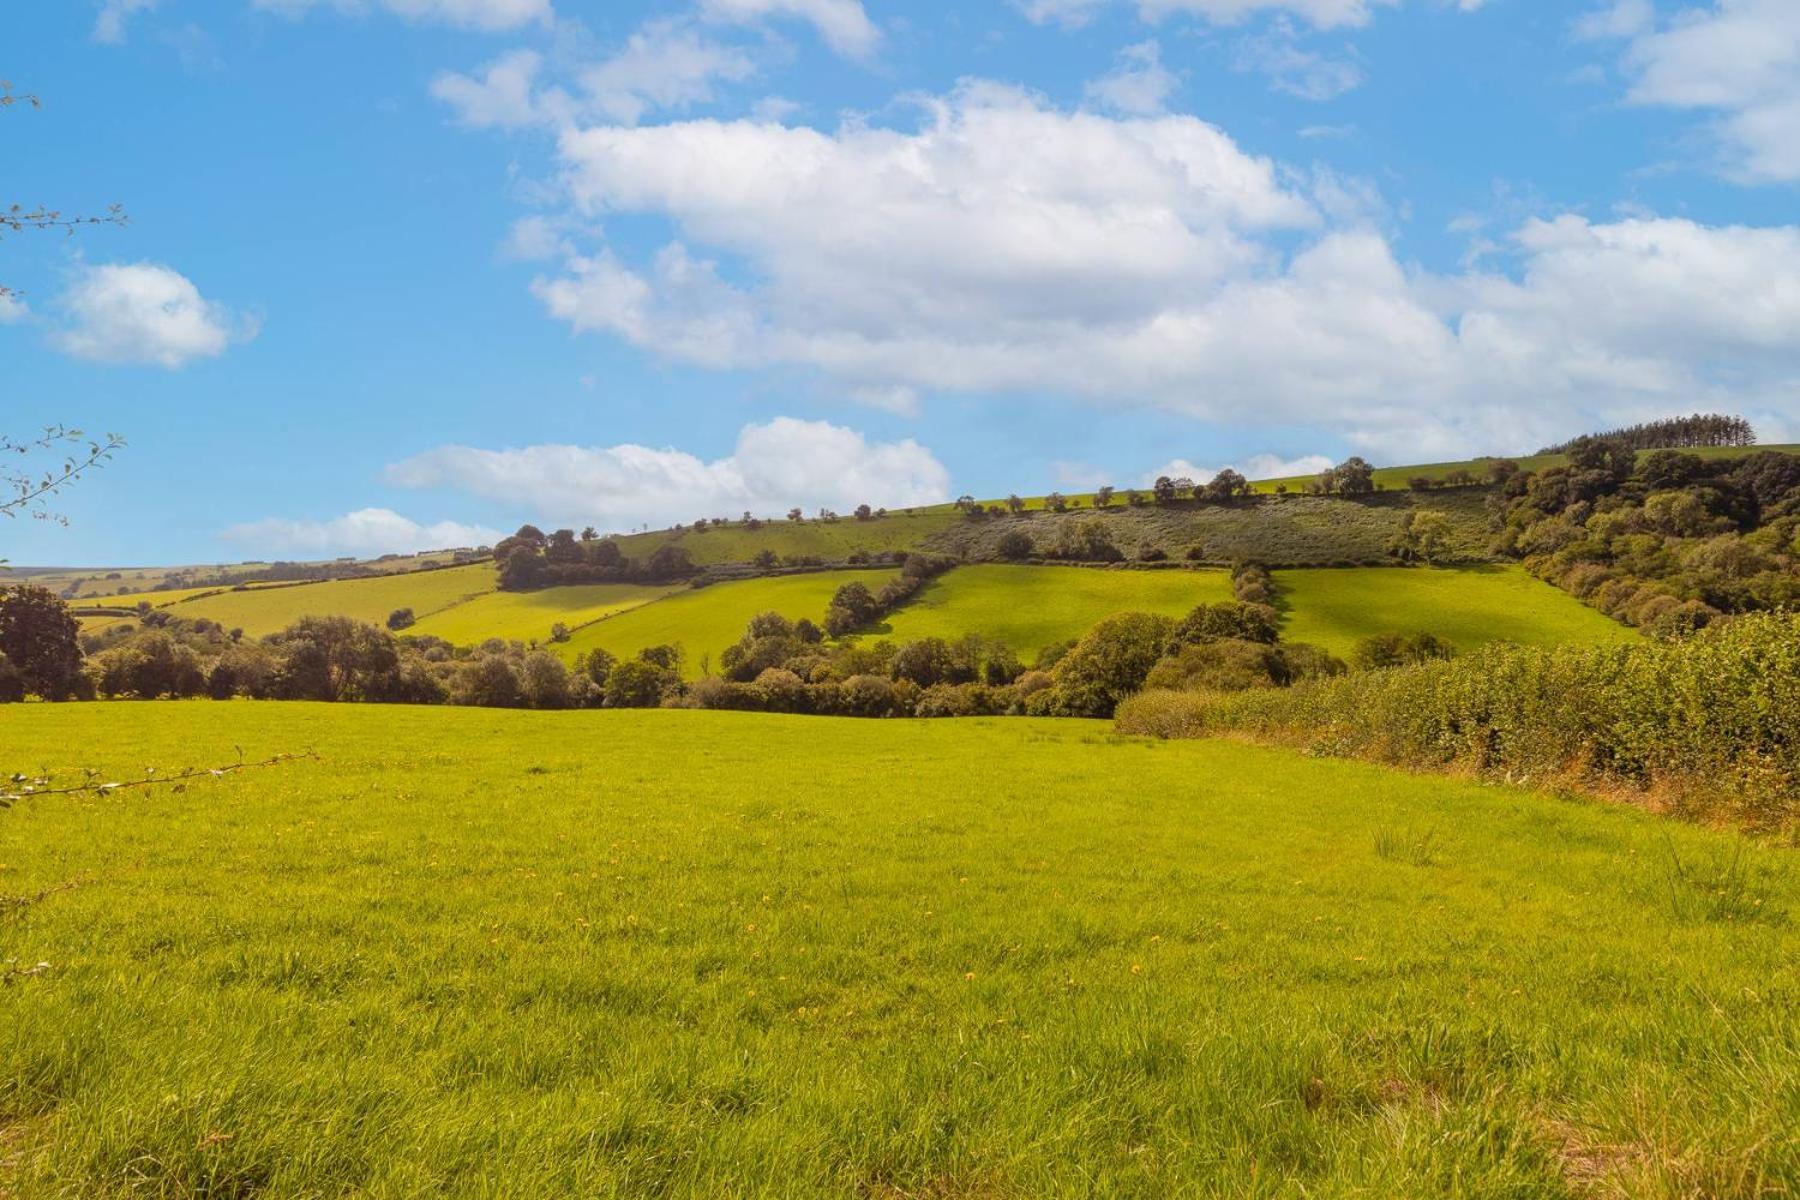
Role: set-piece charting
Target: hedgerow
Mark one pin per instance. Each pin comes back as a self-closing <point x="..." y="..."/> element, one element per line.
<point x="1708" y="725"/>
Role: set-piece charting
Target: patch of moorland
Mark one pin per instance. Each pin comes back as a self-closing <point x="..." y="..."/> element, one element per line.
<point x="1274" y="530"/>
<point x="701" y="954"/>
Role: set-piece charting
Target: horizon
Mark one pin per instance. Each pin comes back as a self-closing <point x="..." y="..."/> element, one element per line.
<point x="532" y="260"/>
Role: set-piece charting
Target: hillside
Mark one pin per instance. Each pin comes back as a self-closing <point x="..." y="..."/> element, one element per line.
<point x="704" y="621"/>
<point x="1030" y="607"/>
<point x="1467" y="606"/>
<point x="474" y="952"/>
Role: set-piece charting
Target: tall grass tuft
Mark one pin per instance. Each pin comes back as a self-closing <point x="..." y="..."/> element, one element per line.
<point x="1708" y="725"/>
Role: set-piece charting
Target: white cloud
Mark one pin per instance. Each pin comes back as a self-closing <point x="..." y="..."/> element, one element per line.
<point x="1739" y="59"/>
<point x="775" y="466"/>
<point x="664" y="65"/>
<point x="843" y="24"/>
<point x="488" y="16"/>
<point x="1323" y="14"/>
<point x="368" y="531"/>
<point x="1008" y="247"/>
<point x="500" y="98"/>
<point x="1256" y="466"/>
<point x="1138" y="85"/>
<point x="144" y="313"/>
<point x="110" y="21"/>
<point x="1308" y="74"/>
<point x="12" y="309"/>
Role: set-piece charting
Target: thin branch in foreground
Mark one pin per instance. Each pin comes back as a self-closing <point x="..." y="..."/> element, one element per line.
<point x="29" y="491"/>
<point x="19" y="787"/>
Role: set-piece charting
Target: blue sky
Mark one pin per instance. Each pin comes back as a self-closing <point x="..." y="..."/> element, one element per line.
<point x="401" y="273"/>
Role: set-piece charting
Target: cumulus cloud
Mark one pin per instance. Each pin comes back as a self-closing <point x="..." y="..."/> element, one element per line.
<point x="1005" y="246"/>
<point x="774" y="466"/>
<point x="1739" y="59"/>
<point x="1256" y="466"/>
<point x="489" y="16"/>
<point x="144" y="313"/>
<point x="12" y="309"/>
<point x="1139" y="84"/>
<point x="843" y="24"/>
<point x="367" y="531"/>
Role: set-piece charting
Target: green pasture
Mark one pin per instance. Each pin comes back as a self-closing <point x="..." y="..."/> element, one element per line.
<point x="1470" y="606"/>
<point x="704" y="621"/>
<point x="268" y="609"/>
<point x="828" y="541"/>
<point x="528" y="616"/>
<point x="669" y="953"/>
<point x="1030" y="607"/>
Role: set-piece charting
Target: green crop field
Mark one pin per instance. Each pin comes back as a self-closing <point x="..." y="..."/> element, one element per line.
<point x="528" y="616"/>
<point x="264" y="610"/>
<point x="1336" y="608"/>
<point x="666" y="953"/>
<point x="1030" y="607"/>
<point x="704" y="621"/>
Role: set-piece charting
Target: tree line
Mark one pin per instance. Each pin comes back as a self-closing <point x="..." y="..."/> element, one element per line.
<point x="1666" y="541"/>
<point x="1673" y="433"/>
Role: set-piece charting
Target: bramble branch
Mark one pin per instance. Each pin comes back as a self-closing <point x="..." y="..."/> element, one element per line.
<point x="21" y="786"/>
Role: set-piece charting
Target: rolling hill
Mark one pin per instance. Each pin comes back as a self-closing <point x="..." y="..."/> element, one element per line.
<point x="1469" y="606"/>
<point x="1031" y="607"/>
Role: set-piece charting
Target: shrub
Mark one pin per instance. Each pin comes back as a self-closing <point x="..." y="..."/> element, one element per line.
<point x="1397" y="649"/>
<point x="639" y="684"/>
<point x="401" y="618"/>
<point x="1109" y="663"/>
<point x="1228" y="620"/>
<point x="1712" y="721"/>
<point x="1015" y="544"/>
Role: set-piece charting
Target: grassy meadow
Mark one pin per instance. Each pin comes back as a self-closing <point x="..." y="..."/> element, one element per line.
<point x="1470" y="606"/>
<point x="482" y="953"/>
<point x="528" y="616"/>
<point x="704" y="621"/>
<point x="1030" y="607"/>
<point x="264" y="610"/>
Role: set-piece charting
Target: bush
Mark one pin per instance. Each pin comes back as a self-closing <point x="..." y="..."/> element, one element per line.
<point x="401" y="618"/>
<point x="1228" y="620"/>
<point x="639" y="684"/>
<point x="1711" y="722"/>
<point x="1108" y="664"/>
<point x="1399" y="650"/>
<point x="1015" y="545"/>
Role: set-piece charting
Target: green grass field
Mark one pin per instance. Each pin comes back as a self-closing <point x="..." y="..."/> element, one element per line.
<point x="1029" y="608"/>
<point x="704" y="621"/>
<point x="264" y="610"/>
<point x="490" y="953"/>
<point x="1470" y="606"/>
<point x="528" y="616"/>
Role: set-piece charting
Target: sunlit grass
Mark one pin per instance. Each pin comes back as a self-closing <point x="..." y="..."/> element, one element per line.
<point x="1470" y="606"/>
<point x="1029" y="607"/>
<point x="476" y="952"/>
<point x="704" y="621"/>
<point x="529" y="616"/>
